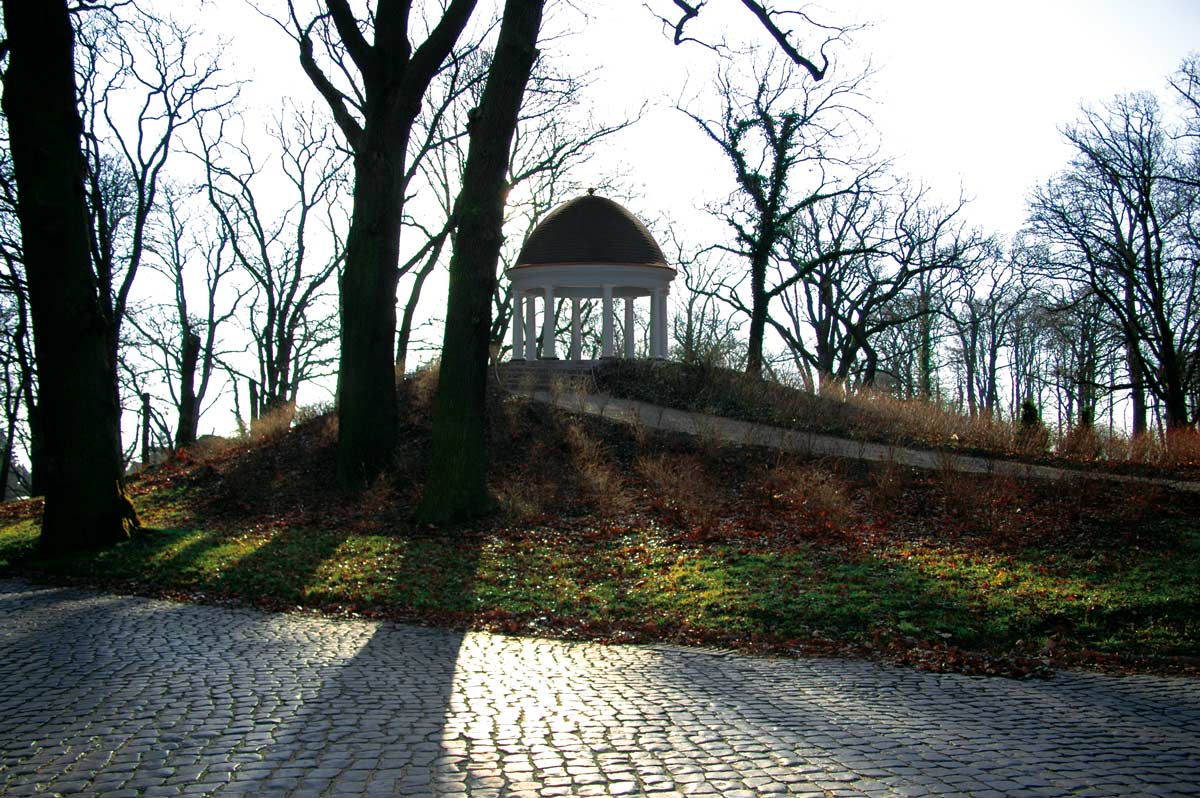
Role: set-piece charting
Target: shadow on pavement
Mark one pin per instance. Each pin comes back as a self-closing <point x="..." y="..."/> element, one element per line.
<point x="103" y="694"/>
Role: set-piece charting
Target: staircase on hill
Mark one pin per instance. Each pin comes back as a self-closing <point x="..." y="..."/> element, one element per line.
<point x="527" y="376"/>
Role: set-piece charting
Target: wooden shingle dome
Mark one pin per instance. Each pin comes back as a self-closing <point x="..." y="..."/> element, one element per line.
<point x="590" y="229"/>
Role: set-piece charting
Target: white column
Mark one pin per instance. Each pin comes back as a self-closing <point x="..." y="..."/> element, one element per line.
<point x="655" y="324"/>
<point x="664" y="332"/>
<point x="518" y="326"/>
<point x="548" y="352"/>
<point x="606" y="324"/>
<point x="659" y="322"/>
<point x="530" y="328"/>
<point x="576" y="331"/>
<point x="629" y="339"/>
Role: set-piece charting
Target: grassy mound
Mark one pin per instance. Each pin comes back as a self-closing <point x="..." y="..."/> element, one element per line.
<point x="609" y="532"/>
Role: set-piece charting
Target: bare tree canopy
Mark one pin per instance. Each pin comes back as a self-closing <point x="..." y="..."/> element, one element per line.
<point x="286" y="230"/>
<point x="777" y="23"/>
<point x="1117" y="227"/>
<point x="785" y="142"/>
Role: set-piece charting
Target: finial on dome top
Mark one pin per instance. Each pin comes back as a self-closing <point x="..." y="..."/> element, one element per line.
<point x="591" y="191"/>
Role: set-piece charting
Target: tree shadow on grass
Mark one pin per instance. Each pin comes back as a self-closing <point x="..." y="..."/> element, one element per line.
<point x="282" y="570"/>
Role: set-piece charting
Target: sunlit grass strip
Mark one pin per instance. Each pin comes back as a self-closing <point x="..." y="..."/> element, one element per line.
<point x="17" y="541"/>
<point x="1132" y="603"/>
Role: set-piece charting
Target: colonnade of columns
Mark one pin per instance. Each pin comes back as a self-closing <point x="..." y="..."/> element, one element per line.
<point x="525" y="327"/>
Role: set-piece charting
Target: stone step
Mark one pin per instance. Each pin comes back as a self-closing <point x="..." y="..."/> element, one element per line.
<point x="544" y="375"/>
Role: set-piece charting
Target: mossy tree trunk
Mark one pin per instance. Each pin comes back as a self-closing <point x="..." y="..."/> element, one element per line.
<point x="456" y="489"/>
<point x="80" y="443"/>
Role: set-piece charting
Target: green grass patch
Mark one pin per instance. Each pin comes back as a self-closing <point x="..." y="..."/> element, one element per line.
<point x="1134" y="603"/>
<point x="18" y="540"/>
<point x="1139" y="606"/>
<point x="606" y="584"/>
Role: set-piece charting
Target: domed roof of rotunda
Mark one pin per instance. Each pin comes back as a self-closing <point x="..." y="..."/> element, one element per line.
<point x="591" y="230"/>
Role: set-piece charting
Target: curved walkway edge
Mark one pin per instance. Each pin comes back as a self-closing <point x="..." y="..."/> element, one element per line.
<point x="728" y="430"/>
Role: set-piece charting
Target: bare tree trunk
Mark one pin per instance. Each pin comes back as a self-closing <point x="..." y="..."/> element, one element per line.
<point x="255" y="407"/>
<point x="925" y="346"/>
<point x="1174" y="393"/>
<point x="6" y="465"/>
<point x="85" y="502"/>
<point x="404" y="338"/>
<point x="395" y="75"/>
<point x="189" y="408"/>
<point x="970" y="343"/>
<point x="367" y="420"/>
<point x="20" y="338"/>
<point x="145" y="431"/>
<point x="1133" y="360"/>
<point x="456" y="488"/>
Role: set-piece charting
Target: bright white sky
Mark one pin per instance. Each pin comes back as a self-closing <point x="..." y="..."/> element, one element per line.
<point x="969" y="93"/>
<point x="966" y="93"/>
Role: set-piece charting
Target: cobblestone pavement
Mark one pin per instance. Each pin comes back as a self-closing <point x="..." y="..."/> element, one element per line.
<point x="116" y="696"/>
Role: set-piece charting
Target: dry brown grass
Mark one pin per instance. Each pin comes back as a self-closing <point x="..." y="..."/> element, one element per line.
<point x="929" y="423"/>
<point x="886" y="483"/>
<point x="874" y="415"/>
<point x="677" y="487"/>
<point x="988" y="505"/>
<point x="422" y="384"/>
<point x="813" y="493"/>
<point x="1182" y="448"/>
<point x="1178" y="449"/>
<point x="273" y="423"/>
<point x="596" y="469"/>
<point x="912" y="420"/>
<point x="1080" y="443"/>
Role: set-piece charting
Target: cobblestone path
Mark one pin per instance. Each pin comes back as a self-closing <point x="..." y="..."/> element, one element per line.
<point x="114" y="696"/>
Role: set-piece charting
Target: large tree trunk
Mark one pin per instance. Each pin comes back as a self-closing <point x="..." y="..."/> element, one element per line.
<point x="395" y="74"/>
<point x="367" y="421"/>
<point x="1087" y="381"/>
<point x="81" y="450"/>
<point x="759" y="302"/>
<point x="925" y="347"/>
<point x="456" y="488"/>
<point x="970" y="346"/>
<point x="189" y="406"/>
<point x="1175" y="392"/>
<point x="1133" y="361"/>
<point x="1137" y="388"/>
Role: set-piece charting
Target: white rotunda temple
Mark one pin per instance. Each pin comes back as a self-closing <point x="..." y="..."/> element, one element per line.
<point x="586" y="249"/>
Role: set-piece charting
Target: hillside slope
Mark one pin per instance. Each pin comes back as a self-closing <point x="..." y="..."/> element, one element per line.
<point x="608" y="531"/>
